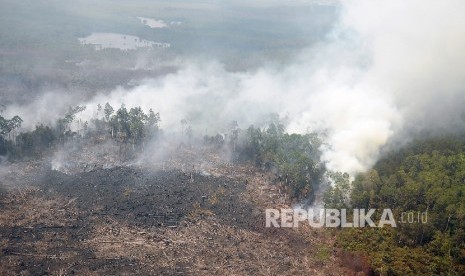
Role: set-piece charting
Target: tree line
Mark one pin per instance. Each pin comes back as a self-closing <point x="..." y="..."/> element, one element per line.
<point x="125" y="126"/>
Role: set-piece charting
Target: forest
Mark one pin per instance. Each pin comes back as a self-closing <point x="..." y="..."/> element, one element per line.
<point x="426" y="176"/>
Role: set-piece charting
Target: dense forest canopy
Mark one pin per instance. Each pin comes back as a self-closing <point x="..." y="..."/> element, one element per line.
<point x="426" y="176"/>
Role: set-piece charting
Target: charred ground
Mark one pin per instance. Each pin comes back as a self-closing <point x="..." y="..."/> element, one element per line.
<point x="173" y="219"/>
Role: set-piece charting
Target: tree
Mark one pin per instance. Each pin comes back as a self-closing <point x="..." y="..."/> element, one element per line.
<point x="234" y="134"/>
<point x="15" y="123"/>
<point x="34" y="142"/>
<point x="9" y="126"/>
<point x="295" y="158"/>
<point x="122" y="124"/>
<point x="153" y="119"/>
<point x="365" y="190"/>
<point x="3" y="125"/>
<point x="152" y="122"/>
<point x="338" y="195"/>
<point x="63" y="124"/>
<point x="253" y="146"/>
<point x="108" y="111"/>
<point x="137" y="119"/>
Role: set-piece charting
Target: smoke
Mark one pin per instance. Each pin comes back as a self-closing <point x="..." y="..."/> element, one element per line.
<point x="46" y="109"/>
<point x="386" y="67"/>
<point x="358" y="119"/>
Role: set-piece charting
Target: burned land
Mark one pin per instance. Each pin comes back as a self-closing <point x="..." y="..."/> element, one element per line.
<point x="187" y="217"/>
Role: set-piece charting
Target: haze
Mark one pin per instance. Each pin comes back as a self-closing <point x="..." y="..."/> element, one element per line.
<point x="363" y="73"/>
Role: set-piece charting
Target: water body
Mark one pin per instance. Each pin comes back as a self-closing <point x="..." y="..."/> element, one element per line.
<point x="120" y="41"/>
<point x="152" y="23"/>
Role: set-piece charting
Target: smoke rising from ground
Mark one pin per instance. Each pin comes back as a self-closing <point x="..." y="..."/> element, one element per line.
<point x="387" y="66"/>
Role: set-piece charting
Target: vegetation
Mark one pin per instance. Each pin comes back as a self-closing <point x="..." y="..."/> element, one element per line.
<point x="131" y="127"/>
<point x="293" y="157"/>
<point x="427" y="177"/>
<point x="8" y="129"/>
<point x="33" y="143"/>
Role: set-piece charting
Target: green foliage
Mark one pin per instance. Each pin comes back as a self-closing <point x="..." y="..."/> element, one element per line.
<point x="108" y="111"/>
<point x="133" y="126"/>
<point x="388" y="258"/>
<point x="427" y="176"/>
<point x="294" y="157"/>
<point x="337" y="196"/>
<point x="34" y="142"/>
<point x="63" y="124"/>
<point x="153" y="119"/>
<point x="323" y="254"/>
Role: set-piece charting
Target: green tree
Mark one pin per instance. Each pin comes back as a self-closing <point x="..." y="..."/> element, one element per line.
<point x="122" y="124"/>
<point x="294" y="157"/>
<point x="108" y="111"/>
<point x="338" y="194"/>
<point x="151" y="126"/>
<point x="63" y="124"/>
<point x="137" y="119"/>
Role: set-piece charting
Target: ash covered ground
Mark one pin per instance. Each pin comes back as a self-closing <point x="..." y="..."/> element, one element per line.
<point x="193" y="214"/>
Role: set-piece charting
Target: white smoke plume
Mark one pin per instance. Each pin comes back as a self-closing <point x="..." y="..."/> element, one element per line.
<point x="387" y="65"/>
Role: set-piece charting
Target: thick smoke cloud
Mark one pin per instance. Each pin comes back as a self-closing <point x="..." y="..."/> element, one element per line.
<point x="358" y="119"/>
<point x="387" y="66"/>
